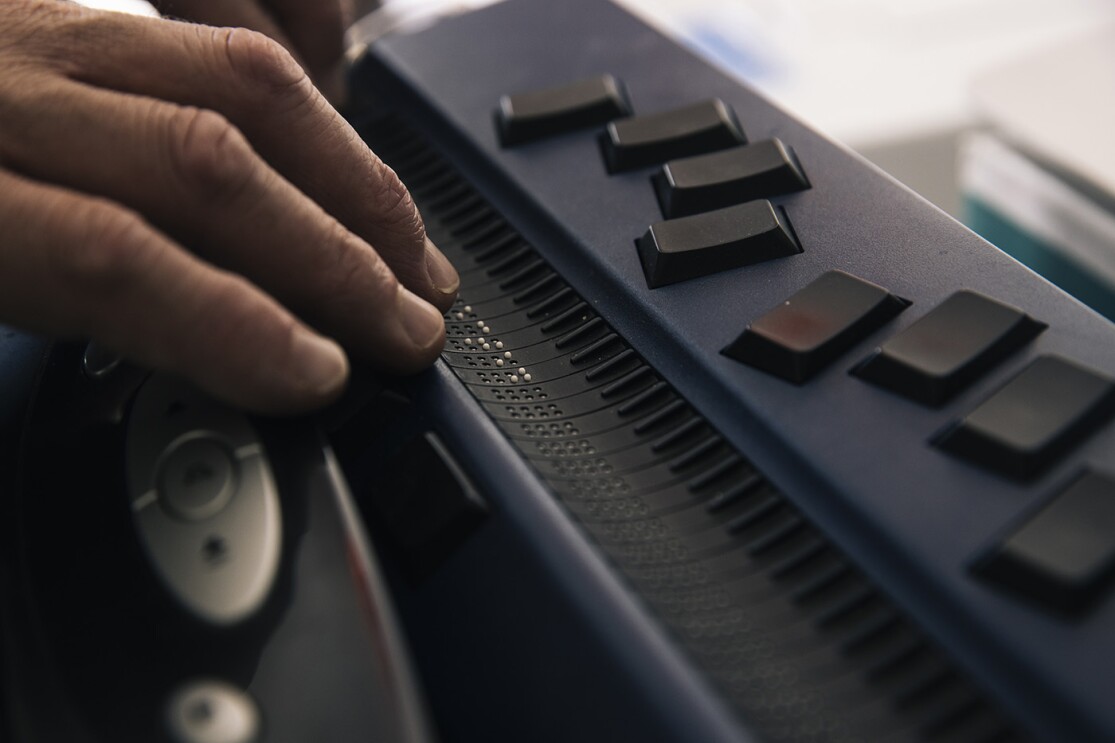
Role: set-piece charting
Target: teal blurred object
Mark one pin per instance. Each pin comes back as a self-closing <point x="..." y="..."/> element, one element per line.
<point x="1042" y="257"/>
<point x="1038" y="177"/>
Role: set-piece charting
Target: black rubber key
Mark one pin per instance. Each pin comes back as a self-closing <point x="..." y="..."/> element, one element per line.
<point x="1033" y="419"/>
<point x="533" y="115"/>
<point x="1063" y="555"/>
<point x="706" y="182"/>
<point x="801" y="336"/>
<point x="685" y="248"/>
<point x="949" y="348"/>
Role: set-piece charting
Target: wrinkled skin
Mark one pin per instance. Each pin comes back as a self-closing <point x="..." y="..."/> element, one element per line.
<point x="185" y="195"/>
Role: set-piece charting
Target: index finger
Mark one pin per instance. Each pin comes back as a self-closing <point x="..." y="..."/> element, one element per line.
<point x="257" y="85"/>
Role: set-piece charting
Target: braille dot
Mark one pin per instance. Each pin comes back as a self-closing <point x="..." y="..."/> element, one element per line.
<point x="526" y="377"/>
<point x="468" y="341"/>
<point x="506" y="354"/>
<point x="487" y="346"/>
<point x="499" y="362"/>
<point x="522" y="370"/>
<point x="499" y="344"/>
<point x="514" y="377"/>
<point x="487" y="329"/>
<point x="468" y="308"/>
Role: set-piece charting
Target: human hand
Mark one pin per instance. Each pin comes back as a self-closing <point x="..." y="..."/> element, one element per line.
<point x="179" y="192"/>
<point x="313" y="30"/>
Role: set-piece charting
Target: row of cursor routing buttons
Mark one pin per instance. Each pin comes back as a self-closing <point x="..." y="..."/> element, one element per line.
<point x="712" y="185"/>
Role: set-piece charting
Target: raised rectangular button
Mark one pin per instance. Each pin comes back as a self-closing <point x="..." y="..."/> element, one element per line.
<point x="801" y="336"/>
<point x="680" y="249"/>
<point x="655" y="138"/>
<point x="949" y="348"/>
<point x="733" y="176"/>
<point x="525" y="117"/>
<point x="1063" y="556"/>
<point x="1033" y="419"/>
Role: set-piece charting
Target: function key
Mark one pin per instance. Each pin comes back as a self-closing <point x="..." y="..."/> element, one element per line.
<point x="801" y="336"/>
<point x="680" y="249"/>
<point x="698" y="184"/>
<point x="949" y="348"/>
<point x="1063" y="556"/>
<point x="648" y="140"/>
<point x="525" y="117"/>
<point x="1033" y="419"/>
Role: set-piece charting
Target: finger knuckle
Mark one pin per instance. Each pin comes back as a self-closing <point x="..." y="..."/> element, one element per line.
<point x="394" y="203"/>
<point x="258" y="329"/>
<point x="287" y="334"/>
<point x="363" y="273"/>
<point x="108" y="253"/>
<point x="209" y="154"/>
<point x="237" y="316"/>
<point x="259" y="60"/>
<point x="352" y="274"/>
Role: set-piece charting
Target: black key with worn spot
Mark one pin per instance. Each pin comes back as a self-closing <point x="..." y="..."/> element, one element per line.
<point x="680" y="249"/>
<point x="949" y="348"/>
<point x="655" y="138"/>
<point x="801" y="336"/>
<point x="1062" y="556"/>
<point x="1033" y="419"/>
<point x="525" y="117"/>
<point x="705" y="182"/>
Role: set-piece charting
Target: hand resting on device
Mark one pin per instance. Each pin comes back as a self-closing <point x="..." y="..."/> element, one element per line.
<point x="186" y="196"/>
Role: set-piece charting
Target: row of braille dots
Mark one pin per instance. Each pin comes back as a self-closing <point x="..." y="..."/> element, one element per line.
<point x="487" y="342"/>
<point x="465" y="317"/>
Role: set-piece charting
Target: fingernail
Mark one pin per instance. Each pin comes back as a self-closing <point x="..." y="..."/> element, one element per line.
<point x="319" y="363"/>
<point x="442" y="274"/>
<point x="421" y="320"/>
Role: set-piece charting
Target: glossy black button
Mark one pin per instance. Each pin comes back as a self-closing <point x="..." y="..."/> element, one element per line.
<point x="1033" y="419"/>
<point x="1063" y="556"/>
<point x="648" y="140"/>
<point x="949" y="348"/>
<point x="426" y="504"/>
<point x="808" y="331"/>
<point x="525" y="117"/>
<point x="733" y="176"/>
<point x="685" y="248"/>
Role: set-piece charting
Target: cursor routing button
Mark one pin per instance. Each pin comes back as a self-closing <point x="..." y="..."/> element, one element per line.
<point x="733" y="176"/>
<point x="801" y="336"/>
<point x="1033" y="419"/>
<point x="680" y="249"/>
<point x="525" y="117"/>
<point x="1063" y="556"/>
<point x="655" y="138"/>
<point x="949" y="348"/>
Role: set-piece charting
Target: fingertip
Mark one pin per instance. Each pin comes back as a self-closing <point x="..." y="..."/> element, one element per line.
<point x="315" y="373"/>
<point x="423" y="323"/>
<point x="319" y="369"/>
<point x="443" y="276"/>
